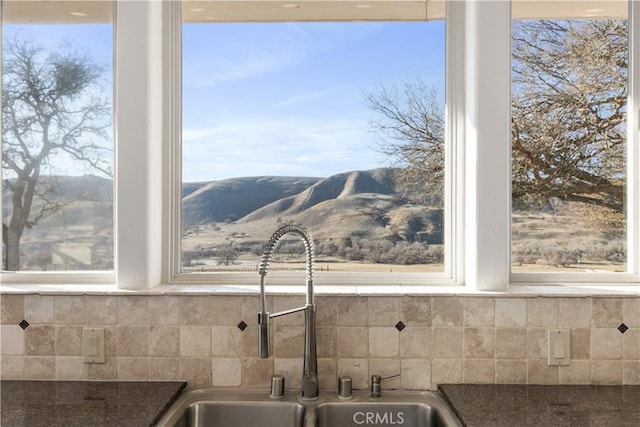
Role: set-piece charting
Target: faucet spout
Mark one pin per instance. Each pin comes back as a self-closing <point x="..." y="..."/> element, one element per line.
<point x="310" y="367"/>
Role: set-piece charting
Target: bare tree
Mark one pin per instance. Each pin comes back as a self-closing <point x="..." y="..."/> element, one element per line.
<point x="411" y="131"/>
<point x="53" y="110"/>
<point x="569" y="111"/>
<point x="569" y="101"/>
<point x="227" y="255"/>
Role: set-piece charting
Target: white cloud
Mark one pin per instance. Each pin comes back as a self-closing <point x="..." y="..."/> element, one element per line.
<point x="206" y="71"/>
<point x="305" y="118"/>
<point x="238" y="52"/>
<point x="277" y="147"/>
<point x="242" y="51"/>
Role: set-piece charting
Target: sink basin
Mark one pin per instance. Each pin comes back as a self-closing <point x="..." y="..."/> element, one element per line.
<point x="393" y="409"/>
<point x="249" y="408"/>
<point x="383" y="414"/>
<point x="217" y="408"/>
<point x="248" y="414"/>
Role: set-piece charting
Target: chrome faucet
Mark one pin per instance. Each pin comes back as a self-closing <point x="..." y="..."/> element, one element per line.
<point x="310" y="367"/>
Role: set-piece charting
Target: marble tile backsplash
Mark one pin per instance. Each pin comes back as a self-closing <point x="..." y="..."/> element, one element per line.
<point x="445" y="339"/>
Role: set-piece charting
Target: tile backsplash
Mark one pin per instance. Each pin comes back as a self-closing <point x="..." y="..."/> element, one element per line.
<point x="426" y="339"/>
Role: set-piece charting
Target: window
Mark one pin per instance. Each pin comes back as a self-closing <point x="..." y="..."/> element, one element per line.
<point x="57" y="136"/>
<point x="570" y="137"/>
<point x="154" y="236"/>
<point x="332" y="118"/>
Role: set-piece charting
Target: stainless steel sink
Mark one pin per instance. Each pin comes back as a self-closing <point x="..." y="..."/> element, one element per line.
<point x="247" y="408"/>
<point x="219" y="408"/>
<point x="393" y="409"/>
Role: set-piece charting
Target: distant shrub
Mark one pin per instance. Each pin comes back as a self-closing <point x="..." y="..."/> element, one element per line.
<point x="354" y="253"/>
<point x="527" y="252"/>
<point x="226" y="255"/>
<point x="435" y="254"/>
<point x="402" y="253"/>
<point x="293" y="248"/>
<point x="377" y="251"/>
<point x="616" y="253"/>
<point x="608" y="251"/>
<point x="327" y="247"/>
<point x="562" y="258"/>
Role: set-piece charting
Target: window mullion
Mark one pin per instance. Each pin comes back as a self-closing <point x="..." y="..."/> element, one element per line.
<point x="138" y="155"/>
<point x="633" y="142"/>
<point x="454" y="150"/>
<point x="488" y="155"/>
<point x="172" y="143"/>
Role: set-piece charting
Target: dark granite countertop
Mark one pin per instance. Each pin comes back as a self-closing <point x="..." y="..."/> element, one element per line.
<point x="549" y="406"/>
<point x="85" y="403"/>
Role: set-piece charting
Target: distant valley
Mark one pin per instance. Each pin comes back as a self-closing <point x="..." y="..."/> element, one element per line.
<point x="359" y="219"/>
<point x="349" y="210"/>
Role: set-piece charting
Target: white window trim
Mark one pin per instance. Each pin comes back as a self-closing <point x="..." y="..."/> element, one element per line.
<point x="487" y="168"/>
<point x="478" y="60"/>
<point x="453" y="185"/>
<point x="632" y="276"/>
<point x="139" y="128"/>
<point x="633" y="133"/>
<point x="67" y="277"/>
<point x="454" y="188"/>
<point x="138" y="139"/>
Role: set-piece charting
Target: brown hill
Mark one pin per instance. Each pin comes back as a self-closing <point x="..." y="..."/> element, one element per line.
<point x="342" y="186"/>
<point x="231" y="199"/>
<point x="359" y="204"/>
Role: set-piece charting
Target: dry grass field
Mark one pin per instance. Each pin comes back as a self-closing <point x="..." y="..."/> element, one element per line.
<point x="321" y="264"/>
<point x="567" y="240"/>
<point x="573" y="238"/>
<point x="356" y="219"/>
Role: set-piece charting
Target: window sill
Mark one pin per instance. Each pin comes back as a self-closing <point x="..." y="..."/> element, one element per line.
<point x="518" y="290"/>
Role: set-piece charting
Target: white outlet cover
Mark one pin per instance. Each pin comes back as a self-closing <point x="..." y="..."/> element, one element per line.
<point x="93" y="345"/>
<point x="559" y="347"/>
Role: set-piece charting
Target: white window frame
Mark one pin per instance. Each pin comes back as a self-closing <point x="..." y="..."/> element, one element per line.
<point x="148" y="188"/>
<point x="633" y="181"/>
<point x="138" y="140"/>
<point x="453" y="271"/>
<point x="66" y="277"/>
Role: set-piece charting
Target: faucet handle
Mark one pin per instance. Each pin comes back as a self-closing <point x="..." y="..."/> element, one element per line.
<point x="277" y="387"/>
<point x="345" y="388"/>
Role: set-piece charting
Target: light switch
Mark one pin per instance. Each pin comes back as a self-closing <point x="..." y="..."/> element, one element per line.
<point x="559" y="347"/>
<point x="93" y="345"/>
<point x="558" y="351"/>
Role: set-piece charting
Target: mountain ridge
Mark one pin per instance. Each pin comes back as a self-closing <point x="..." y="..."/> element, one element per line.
<point x="359" y="206"/>
<point x="356" y="204"/>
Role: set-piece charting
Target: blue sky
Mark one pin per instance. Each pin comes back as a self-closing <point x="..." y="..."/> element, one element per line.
<point x="288" y="98"/>
<point x="93" y="40"/>
<point x="279" y="98"/>
<point x="96" y="40"/>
